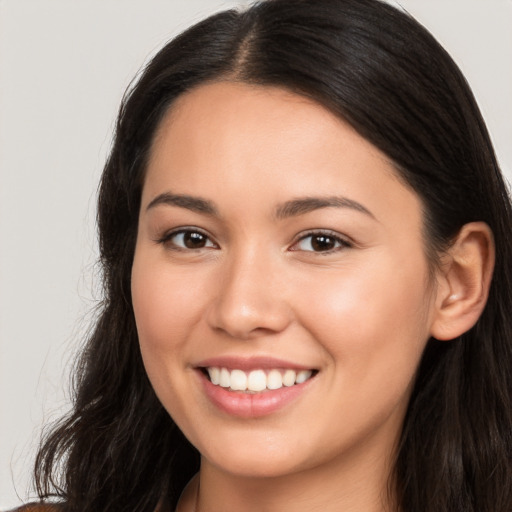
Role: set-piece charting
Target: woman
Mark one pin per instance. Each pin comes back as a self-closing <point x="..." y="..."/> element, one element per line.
<point x="305" y="239"/>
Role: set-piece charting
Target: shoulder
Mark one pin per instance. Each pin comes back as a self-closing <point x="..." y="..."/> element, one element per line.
<point x="38" y="507"/>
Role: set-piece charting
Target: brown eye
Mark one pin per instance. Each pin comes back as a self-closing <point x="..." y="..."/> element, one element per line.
<point x="188" y="239"/>
<point x="194" y="240"/>
<point x="320" y="242"/>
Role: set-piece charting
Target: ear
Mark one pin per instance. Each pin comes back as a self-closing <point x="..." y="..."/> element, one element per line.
<point x="463" y="281"/>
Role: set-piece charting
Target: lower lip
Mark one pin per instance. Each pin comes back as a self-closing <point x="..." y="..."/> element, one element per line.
<point x="246" y="405"/>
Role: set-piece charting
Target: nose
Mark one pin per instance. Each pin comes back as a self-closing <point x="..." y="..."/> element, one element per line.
<point x="251" y="300"/>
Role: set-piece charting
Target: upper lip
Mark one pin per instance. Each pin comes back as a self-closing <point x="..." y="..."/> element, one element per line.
<point x="250" y="363"/>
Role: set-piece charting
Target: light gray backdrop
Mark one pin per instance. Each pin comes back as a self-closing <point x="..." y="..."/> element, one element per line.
<point x="63" y="68"/>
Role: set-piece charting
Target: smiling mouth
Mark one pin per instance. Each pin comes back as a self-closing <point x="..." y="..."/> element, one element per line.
<point x="256" y="381"/>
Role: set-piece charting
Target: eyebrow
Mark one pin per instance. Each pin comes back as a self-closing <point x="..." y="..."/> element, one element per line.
<point x="196" y="204"/>
<point x="292" y="208"/>
<point x="305" y="205"/>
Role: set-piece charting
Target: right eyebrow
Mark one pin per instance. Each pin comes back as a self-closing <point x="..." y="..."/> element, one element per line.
<point x="303" y="205"/>
<point x="196" y="204"/>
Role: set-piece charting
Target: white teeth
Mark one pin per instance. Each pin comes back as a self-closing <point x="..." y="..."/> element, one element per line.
<point x="214" y="374"/>
<point x="256" y="380"/>
<point x="289" y="378"/>
<point x="238" y="380"/>
<point x="225" y="378"/>
<point x="303" y="376"/>
<point x="274" y="379"/>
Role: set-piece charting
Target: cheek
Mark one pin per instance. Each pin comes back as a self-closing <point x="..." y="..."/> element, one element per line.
<point x="374" y="322"/>
<point x="166" y="309"/>
<point x="166" y="304"/>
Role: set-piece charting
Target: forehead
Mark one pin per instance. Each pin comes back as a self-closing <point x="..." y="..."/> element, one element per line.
<point x="244" y="109"/>
<point x="244" y="140"/>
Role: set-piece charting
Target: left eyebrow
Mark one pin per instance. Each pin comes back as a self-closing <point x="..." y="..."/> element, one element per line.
<point x="196" y="204"/>
<point x="303" y="205"/>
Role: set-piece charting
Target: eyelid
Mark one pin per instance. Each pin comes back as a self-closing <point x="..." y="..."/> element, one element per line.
<point x="167" y="236"/>
<point x="345" y="241"/>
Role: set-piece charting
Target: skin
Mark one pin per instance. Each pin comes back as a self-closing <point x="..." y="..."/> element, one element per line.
<point x="360" y="313"/>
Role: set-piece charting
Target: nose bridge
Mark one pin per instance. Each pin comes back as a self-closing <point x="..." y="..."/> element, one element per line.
<point x="249" y="299"/>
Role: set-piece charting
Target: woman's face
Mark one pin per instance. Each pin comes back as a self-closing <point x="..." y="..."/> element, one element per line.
<point x="275" y="246"/>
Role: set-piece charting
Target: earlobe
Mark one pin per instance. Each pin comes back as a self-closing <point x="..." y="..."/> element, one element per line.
<point x="463" y="281"/>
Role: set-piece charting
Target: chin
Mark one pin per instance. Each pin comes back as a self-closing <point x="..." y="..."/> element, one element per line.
<point x="257" y="467"/>
<point x="264" y="456"/>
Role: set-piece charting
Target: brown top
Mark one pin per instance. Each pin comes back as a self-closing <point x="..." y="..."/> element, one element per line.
<point x="37" y="507"/>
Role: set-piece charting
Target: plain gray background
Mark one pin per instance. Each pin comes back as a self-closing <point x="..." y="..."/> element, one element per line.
<point x="63" y="68"/>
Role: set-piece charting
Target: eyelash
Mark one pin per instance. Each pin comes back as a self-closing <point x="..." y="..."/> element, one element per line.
<point x="340" y="242"/>
<point x="167" y="239"/>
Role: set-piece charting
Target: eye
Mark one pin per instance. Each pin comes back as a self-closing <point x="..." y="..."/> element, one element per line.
<point x="188" y="239"/>
<point x="321" y="242"/>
